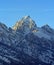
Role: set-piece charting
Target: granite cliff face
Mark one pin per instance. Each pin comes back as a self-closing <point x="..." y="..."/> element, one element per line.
<point x="26" y="44"/>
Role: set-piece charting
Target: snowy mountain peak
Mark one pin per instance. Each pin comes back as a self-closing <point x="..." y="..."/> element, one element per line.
<point x="3" y="26"/>
<point x="46" y="26"/>
<point x="26" y="17"/>
<point x="48" y="29"/>
<point x="25" y="22"/>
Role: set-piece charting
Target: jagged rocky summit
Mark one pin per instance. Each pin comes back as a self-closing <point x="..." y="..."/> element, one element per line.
<point x="26" y="43"/>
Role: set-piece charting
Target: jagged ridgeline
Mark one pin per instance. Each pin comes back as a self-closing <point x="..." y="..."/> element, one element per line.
<point x="26" y="43"/>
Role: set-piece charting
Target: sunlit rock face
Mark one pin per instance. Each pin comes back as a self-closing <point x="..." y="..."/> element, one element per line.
<point x="26" y="44"/>
<point x="25" y="25"/>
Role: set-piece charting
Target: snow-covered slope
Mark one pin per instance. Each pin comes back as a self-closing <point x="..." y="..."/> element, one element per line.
<point x="26" y="44"/>
<point x="25" y="25"/>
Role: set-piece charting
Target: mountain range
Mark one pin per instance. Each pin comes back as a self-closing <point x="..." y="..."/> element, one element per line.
<point x="26" y="44"/>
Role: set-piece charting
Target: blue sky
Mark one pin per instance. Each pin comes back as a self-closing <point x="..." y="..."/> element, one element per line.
<point x="41" y="11"/>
